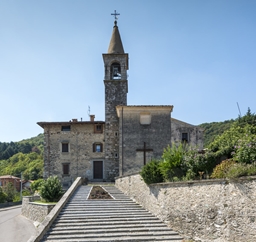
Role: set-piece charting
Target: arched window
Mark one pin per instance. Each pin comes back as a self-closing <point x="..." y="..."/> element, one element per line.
<point x="115" y="71"/>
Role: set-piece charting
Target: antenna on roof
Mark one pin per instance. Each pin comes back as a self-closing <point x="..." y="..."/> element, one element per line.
<point x="238" y="108"/>
<point x="89" y="111"/>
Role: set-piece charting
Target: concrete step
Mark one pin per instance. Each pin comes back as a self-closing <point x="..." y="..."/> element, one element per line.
<point x="95" y="231"/>
<point x="115" y="235"/>
<point x="107" y="220"/>
<point x="72" y="226"/>
<point x="114" y="220"/>
<point x="123" y="239"/>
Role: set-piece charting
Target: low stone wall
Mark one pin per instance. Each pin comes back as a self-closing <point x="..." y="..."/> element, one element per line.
<point x="35" y="211"/>
<point x="207" y="210"/>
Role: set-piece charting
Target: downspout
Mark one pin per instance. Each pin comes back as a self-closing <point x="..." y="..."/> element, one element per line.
<point x="122" y="139"/>
<point x="48" y="151"/>
<point x="171" y="128"/>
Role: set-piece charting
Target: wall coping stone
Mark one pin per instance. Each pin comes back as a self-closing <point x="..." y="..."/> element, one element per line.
<point x="43" y="204"/>
<point x="194" y="182"/>
<point x="49" y="219"/>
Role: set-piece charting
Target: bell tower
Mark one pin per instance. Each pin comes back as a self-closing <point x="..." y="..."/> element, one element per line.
<point x="116" y="89"/>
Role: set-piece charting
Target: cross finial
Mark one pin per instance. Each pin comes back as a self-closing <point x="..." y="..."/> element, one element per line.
<point x="115" y="14"/>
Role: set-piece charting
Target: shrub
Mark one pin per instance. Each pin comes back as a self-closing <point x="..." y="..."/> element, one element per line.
<point x="170" y="166"/>
<point x="51" y="189"/>
<point x="221" y="170"/>
<point x="2" y="196"/>
<point x="35" y="186"/>
<point x="10" y="192"/>
<point x="195" y="161"/>
<point x="151" y="172"/>
<point x="239" y="170"/>
<point x="245" y="150"/>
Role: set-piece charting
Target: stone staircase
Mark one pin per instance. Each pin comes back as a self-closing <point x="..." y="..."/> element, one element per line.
<point x="119" y="219"/>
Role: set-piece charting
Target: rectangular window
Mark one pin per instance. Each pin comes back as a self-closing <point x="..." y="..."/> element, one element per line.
<point x="97" y="147"/>
<point x="65" y="147"/>
<point x="65" y="169"/>
<point x="65" y="128"/>
<point x="184" y="137"/>
<point x="98" y="128"/>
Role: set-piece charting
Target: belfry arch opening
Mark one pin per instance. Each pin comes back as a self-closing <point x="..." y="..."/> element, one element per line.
<point x="115" y="71"/>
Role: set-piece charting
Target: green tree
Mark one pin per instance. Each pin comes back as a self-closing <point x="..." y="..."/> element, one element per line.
<point x="172" y="157"/>
<point x="2" y="196"/>
<point x="151" y="172"/>
<point x="35" y="186"/>
<point x="10" y="191"/>
<point x="51" y="189"/>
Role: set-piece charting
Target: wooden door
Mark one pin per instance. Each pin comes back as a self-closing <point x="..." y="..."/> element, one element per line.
<point x="98" y="169"/>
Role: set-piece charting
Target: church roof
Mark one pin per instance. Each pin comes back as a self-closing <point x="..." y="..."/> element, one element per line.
<point x="115" y="45"/>
<point x="142" y="108"/>
<point x="42" y="124"/>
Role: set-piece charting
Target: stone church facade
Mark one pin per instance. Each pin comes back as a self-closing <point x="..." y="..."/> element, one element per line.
<point x="129" y="137"/>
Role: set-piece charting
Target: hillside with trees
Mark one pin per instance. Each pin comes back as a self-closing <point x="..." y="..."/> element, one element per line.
<point x="24" y="157"/>
<point x="212" y="130"/>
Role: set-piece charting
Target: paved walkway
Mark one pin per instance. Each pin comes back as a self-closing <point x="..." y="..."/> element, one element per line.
<point x="14" y="227"/>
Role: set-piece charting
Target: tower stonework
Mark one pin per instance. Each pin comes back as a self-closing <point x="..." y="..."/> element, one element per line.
<point x="116" y="89"/>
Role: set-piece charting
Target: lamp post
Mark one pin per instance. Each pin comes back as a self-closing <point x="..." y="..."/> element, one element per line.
<point x="21" y="186"/>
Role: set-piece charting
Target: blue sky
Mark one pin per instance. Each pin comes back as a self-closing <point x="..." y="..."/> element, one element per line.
<point x="199" y="56"/>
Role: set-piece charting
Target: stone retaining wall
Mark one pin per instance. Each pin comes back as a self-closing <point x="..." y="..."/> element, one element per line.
<point x="35" y="211"/>
<point x="207" y="210"/>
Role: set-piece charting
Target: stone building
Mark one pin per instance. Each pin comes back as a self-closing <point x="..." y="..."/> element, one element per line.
<point x="129" y="137"/>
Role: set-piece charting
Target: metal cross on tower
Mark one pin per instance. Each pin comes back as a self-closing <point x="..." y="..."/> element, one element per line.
<point x="115" y="14"/>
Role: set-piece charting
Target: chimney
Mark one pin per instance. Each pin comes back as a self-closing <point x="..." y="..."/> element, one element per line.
<point x="74" y="120"/>
<point x="92" y="118"/>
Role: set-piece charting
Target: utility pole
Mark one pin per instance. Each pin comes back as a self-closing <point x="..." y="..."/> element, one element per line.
<point x="21" y="186"/>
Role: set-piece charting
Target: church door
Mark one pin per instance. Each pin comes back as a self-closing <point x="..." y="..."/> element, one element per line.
<point x="98" y="170"/>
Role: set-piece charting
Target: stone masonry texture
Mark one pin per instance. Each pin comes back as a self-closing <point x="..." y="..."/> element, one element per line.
<point x="80" y="156"/>
<point x="156" y="135"/>
<point x="34" y="211"/>
<point x="206" y="211"/>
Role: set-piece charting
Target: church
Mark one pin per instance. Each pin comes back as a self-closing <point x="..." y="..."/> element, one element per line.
<point x="130" y="136"/>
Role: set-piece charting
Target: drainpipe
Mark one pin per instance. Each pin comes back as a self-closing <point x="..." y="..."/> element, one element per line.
<point x="48" y="150"/>
<point x="122" y="139"/>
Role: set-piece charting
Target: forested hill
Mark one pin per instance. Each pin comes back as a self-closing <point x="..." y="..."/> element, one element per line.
<point x="25" y="146"/>
<point x="211" y="130"/>
<point x="22" y="157"/>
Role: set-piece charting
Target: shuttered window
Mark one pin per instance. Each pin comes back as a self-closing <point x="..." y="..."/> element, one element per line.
<point x="64" y="147"/>
<point x="65" y="168"/>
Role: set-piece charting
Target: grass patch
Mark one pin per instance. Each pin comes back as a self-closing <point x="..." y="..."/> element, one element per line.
<point x="43" y="202"/>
